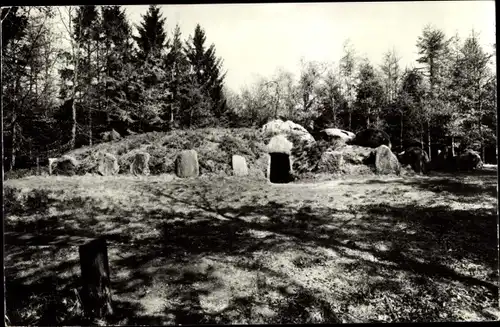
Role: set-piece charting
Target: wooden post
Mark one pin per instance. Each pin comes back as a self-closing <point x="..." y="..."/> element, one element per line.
<point x="96" y="292"/>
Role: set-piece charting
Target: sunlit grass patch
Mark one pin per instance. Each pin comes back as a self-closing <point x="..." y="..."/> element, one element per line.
<point x="241" y="250"/>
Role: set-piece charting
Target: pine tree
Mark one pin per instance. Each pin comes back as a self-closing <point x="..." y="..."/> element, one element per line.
<point x="14" y="22"/>
<point x="369" y="96"/>
<point x="433" y="49"/>
<point x="332" y="102"/>
<point x="117" y="68"/>
<point x="28" y="88"/>
<point x="391" y="70"/>
<point x="177" y="74"/>
<point x="152" y="38"/>
<point x="150" y="75"/>
<point x="14" y="29"/>
<point x="206" y="68"/>
<point x="308" y="88"/>
<point x="87" y="35"/>
<point x="348" y="65"/>
<point x="409" y="102"/>
<point x="216" y="84"/>
<point x="70" y="72"/>
<point x="470" y="80"/>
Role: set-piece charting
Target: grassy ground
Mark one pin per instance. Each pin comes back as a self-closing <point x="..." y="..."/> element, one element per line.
<point x="233" y="250"/>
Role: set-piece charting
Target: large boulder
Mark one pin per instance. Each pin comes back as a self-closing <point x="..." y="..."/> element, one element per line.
<point x="469" y="160"/>
<point x="66" y="165"/>
<point x="277" y="126"/>
<point x="331" y="162"/>
<point x="240" y="167"/>
<point x="386" y="162"/>
<point x="357" y="155"/>
<point x="416" y="157"/>
<point x="107" y="164"/>
<point x="372" y="138"/>
<point x="111" y="136"/>
<point x="333" y="133"/>
<point x="279" y="144"/>
<point x="186" y="164"/>
<point x="140" y="164"/>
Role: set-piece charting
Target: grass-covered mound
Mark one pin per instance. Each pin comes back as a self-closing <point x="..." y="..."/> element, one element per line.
<point x="215" y="148"/>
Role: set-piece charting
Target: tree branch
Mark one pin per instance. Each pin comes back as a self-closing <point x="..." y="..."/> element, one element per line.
<point x="7" y="14"/>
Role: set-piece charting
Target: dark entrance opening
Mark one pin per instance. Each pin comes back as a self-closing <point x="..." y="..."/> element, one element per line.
<point x="279" y="171"/>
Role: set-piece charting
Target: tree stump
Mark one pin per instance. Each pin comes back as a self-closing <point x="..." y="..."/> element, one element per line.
<point x="96" y="292"/>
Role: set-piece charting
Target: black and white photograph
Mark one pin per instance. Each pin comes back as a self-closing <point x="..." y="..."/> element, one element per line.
<point x="249" y="163"/>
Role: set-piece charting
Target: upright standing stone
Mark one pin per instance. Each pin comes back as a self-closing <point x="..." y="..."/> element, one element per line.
<point x="186" y="164"/>
<point x="240" y="167"/>
<point x="140" y="164"/>
<point x="108" y="164"/>
<point x="96" y="292"/>
<point x="386" y="162"/>
<point x="52" y="161"/>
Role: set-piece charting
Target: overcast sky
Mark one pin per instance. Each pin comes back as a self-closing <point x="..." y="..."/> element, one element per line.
<point x="256" y="39"/>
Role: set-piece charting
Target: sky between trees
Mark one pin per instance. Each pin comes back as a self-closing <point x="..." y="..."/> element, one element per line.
<point x="256" y="39"/>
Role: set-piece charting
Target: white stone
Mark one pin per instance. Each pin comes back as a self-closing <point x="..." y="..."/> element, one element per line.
<point x="344" y="135"/>
<point x="51" y="162"/>
<point x="240" y="167"/>
<point x="279" y="143"/>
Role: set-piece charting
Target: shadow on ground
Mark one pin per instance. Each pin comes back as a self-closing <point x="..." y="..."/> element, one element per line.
<point x="484" y="183"/>
<point x="420" y="241"/>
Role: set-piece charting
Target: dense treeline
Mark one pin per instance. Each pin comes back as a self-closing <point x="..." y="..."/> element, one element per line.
<point x="72" y="73"/>
<point x="60" y="97"/>
<point x="449" y="97"/>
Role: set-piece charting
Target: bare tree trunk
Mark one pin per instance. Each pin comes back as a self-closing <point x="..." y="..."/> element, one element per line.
<point x="190" y="117"/>
<point x="76" y="57"/>
<point x="13" y="139"/>
<point x="174" y="95"/>
<point x="277" y="101"/>
<point x="90" y="126"/>
<point x="429" y="139"/>
<point x="34" y="79"/>
<point x="401" y="132"/>
<point x="73" y="126"/>
<point x="421" y="137"/>
<point x="480" y="119"/>
<point x="334" y="112"/>
<point x="13" y="122"/>
<point x="350" y="118"/>
<point x="89" y="85"/>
